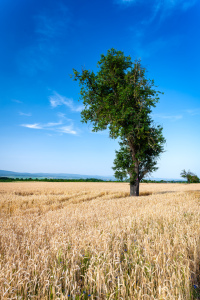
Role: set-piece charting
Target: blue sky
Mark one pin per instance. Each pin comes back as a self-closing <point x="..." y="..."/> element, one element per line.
<point x="42" y="41"/>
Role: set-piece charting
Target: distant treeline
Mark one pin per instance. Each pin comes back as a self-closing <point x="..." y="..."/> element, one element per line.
<point x="162" y="181"/>
<point x="9" y="179"/>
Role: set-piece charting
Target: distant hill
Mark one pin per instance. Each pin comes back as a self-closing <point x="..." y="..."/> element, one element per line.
<point x="10" y="174"/>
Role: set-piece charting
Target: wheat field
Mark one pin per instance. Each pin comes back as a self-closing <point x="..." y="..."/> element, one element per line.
<point x="93" y="241"/>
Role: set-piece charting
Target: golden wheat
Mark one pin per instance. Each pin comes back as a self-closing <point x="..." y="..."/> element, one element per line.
<point x="92" y="241"/>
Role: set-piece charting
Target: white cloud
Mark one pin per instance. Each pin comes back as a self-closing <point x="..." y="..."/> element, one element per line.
<point x="64" y="125"/>
<point x="33" y="126"/>
<point x="25" y="114"/>
<point x="53" y="126"/>
<point x="57" y="100"/>
<point x="67" y="129"/>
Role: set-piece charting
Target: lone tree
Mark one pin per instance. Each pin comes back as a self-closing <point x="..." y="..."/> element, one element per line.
<point x="120" y="97"/>
<point x="191" y="177"/>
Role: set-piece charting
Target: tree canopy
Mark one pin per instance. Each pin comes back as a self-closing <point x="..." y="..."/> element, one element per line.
<point x="120" y="97"/>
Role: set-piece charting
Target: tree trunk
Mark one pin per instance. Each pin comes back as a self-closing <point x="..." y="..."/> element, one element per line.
<point x="134" y="178"/>
<point x="134" y="188"/>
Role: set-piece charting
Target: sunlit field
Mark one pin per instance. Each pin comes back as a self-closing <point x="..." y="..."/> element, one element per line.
<point x="93" y="241"/>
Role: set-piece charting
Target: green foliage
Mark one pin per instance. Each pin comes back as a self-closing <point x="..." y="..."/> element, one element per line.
<point x="124" y="164"/>
<point x="7" y="179"/>
<point x="191" y="177"/>
<point x="120" y="97"/>
<point x="194" y="179"/>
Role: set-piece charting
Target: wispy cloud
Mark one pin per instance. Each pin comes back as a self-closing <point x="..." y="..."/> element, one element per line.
<point x="32" y="126"/>
<point x="158" y="9"/>
<point x="193" y="112"/>
<point x="57" y="100"/>
<point x="17" y="101"/>
<point x="50" y="26"/>
<point x="129" y="1"/>
<point x="61" y="115"/>
<point x="188" y="4"/>
<point x="158" y="13"/>
<point x="183" y="4"/>
<point x="67" y="129"/>
<point x="53" y="126"/>
<point x="168" y="117"/>
<point x="25" y="114"/>
<point x="158" y="5"/>
<point x="166" y="7"/>
<point x="47" y="36"/>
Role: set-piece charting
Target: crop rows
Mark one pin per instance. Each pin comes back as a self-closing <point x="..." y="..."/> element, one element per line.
<point x="92" y="241"/>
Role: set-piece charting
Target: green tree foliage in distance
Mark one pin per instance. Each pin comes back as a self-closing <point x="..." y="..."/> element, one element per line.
<point x="120" y="97"/>
<point x="191" y="177"/>
<point x="10" y="179"/>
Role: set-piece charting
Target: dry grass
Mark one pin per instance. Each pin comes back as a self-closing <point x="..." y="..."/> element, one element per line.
<point x="91" y="241"/>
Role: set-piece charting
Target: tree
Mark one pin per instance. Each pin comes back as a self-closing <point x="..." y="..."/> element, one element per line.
<point x="191" y="177"/>
<point x="120" y="97"/>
